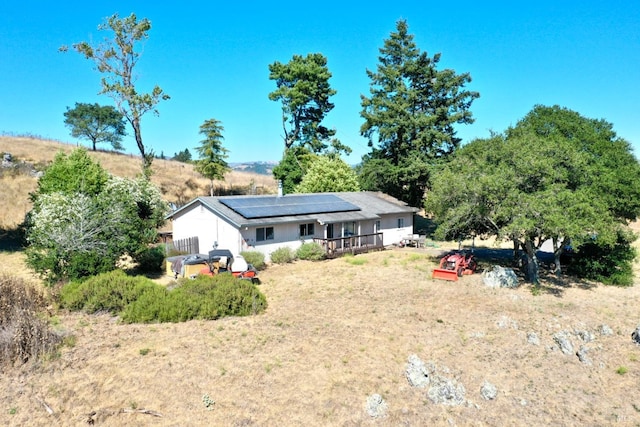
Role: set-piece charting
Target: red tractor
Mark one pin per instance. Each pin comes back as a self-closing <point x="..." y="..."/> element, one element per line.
<point x="454" y="265"/>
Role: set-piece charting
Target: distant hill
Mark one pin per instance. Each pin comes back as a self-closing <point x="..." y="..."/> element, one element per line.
<point x="262" y="168"/>
<point x="178" y="182"/>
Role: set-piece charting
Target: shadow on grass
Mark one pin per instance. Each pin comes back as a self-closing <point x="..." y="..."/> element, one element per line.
<point x="12" y="240"/>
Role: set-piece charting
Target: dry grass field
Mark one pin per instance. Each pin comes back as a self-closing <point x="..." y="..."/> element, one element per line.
<point x="335" y="333"/>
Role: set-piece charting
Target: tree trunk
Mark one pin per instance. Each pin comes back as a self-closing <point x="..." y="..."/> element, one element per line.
<point x="147" y="159"/>
<point x="558" y="249"/>
<point x="532" y="262"/>
<point x="516" y="251"/>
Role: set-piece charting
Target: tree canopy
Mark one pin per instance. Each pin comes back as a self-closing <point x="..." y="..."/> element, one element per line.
<point x="212" y="163"/>
<point x="117" y="59"/>
<point x="328" y="174"/>
<point x="96" y="123"/>
<point x="410" y="117"/>
<point x="551" y="177"/>
<point x="292" y="168"/>
<point x="303" y="89"/>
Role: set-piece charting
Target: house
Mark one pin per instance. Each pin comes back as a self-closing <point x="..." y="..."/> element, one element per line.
<point x="350" y="222"/>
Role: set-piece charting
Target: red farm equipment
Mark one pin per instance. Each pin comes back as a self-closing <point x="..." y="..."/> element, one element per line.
<point x="221" y="260"/>
<point x="454" y="265"/>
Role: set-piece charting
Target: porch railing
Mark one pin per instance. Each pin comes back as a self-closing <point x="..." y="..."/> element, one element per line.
<point x="358" y="243"/>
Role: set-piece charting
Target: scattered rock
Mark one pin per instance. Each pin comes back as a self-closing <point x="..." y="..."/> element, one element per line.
<point x="532" y="338"/>
<point x="488" y="391"/>
<point x="635" y="335"/>
<point x="506" y="322"/>
<point x="416" y="372"/>
<point x="562" y="339"/>
<point x="446" y="391"/>
<point x="500" y="277"/>
<point x="376" y="406"/>
<point x="582" y="355"/>
<point x="585" y="335"/>
<point x="605" y="330"/>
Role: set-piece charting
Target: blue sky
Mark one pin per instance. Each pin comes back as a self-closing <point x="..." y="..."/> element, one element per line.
<point x="212" y="59"/>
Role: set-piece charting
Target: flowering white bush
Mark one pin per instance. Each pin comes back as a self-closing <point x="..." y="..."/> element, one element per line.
<point x="72" y="234"/>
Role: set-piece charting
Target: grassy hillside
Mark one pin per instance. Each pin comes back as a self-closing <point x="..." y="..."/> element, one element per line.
<point x="178" y="182"/>
<point x="335" y="333"/>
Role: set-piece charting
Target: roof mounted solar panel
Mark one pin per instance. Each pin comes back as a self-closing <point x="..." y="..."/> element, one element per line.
<point x="303" y="204"/>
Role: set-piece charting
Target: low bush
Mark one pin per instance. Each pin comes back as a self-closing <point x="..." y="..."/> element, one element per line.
<point x="111" y="292"/>
<point x="609" y="264"/>
<point x="310" y="251"/>
<point x="282" y="255"/>
<point x="140" y="300"/>
<point x="25" y="331"/>
<point x="254" y="258"/>
<point x="204" y="297"/>
<point x="151" y="260"/>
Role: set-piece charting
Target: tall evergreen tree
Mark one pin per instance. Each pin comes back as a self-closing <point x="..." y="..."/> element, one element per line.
<point x="304" y="90"/>
<point x="410" y="117"/>
<point x="212" y="163"/>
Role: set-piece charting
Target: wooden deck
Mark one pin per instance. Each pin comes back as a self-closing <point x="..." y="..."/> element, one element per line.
<point x="355" y="244"/>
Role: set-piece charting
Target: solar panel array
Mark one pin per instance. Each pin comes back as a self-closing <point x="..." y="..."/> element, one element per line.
<point x="268" y="207"/>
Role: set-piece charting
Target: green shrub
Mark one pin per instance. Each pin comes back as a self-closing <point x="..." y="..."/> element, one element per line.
<point x="254" y="258"/>
<point x="111" y="292"/>
<point x="151" y="260"/>
<point x="140" y="300"/>
<point x="310" y="251"/>
<point x="282" y="255"/>
<point x="609" y="264"/>
<point x="204" y="297"/>
<point x="152" y="306"/>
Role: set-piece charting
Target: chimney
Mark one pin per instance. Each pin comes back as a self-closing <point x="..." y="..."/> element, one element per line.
<point x="280" y="188"/>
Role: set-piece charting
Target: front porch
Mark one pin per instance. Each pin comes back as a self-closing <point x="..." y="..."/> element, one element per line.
<point x="355" y="244"/>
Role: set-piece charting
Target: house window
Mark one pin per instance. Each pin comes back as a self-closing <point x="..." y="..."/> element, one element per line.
<point x="264" y="233"/>
<point x="376" y="226"/>
<point x="348" y="229"/>
<point x="400" y="222"/>
<point x="307" y="230"/>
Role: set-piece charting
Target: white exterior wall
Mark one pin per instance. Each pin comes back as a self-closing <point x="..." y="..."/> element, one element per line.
<point x="200" y="221"/>
<point x="283" y="235"/>
<point x="389" y="227"/>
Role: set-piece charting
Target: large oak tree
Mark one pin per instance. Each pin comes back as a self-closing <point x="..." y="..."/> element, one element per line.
<point x="555" y="176"/>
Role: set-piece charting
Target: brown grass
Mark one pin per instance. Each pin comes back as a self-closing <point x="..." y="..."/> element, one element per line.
<point x="336" y="332"/>
<point x="178" y="181"/>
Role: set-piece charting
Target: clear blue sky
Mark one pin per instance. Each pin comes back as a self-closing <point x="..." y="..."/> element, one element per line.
<point x="212" y="59"/>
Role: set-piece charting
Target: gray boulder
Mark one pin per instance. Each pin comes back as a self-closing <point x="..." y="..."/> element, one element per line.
<point x="582" y="355"/>
<point x="376" y="406"/>
<point x="562" y="339"/>
<point x="532" y="338"/>
<point x="488" y="391"/>
<point x="416" y="372"/>
<point x="446" y="391"/>
<point x="605" y="330"/>
<point x="500" y="277"/>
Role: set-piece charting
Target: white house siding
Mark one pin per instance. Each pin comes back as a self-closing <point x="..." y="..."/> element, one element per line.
<point x="389" y="227"/>
<point x="283" y="235"/>
<point x="200" y="221"/>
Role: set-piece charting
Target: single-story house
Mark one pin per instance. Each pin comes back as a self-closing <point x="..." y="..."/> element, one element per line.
<point x="350" y="222"/>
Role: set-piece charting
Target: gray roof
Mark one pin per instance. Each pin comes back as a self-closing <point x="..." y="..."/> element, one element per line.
<point x="371" y="205"/>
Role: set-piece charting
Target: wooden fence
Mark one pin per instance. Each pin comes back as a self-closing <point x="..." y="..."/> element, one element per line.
<point x="190" y="245"/>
